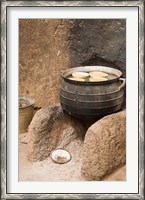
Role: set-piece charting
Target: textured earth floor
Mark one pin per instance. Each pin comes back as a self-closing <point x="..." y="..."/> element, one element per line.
<point x="47" y="170"/>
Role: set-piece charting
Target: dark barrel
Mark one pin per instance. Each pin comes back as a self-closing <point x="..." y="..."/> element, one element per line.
<point x="90" y="100"/>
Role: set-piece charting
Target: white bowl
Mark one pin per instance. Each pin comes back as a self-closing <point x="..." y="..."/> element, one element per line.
<point x="60" y="156"/>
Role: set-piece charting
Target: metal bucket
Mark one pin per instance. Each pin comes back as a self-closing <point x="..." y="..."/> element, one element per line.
<point x="26" y="111"/>
<point x="91" y="100"/>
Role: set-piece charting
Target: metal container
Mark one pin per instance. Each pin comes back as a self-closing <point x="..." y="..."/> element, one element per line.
<point x="26" y="111"/>
<point x="90" y="100"/>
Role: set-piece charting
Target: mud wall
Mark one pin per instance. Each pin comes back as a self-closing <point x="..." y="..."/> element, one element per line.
<point x="48" y="46"/>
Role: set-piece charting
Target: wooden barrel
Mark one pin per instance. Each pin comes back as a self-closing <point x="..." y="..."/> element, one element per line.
<point x="90" y="100"/>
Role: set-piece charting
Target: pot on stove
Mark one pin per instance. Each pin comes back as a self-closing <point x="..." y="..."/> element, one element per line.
<point x="88" y="100"/>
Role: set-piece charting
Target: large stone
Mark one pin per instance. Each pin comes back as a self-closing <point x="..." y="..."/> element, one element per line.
<point x="104" y="147"/>
<point x="51" y="128"/>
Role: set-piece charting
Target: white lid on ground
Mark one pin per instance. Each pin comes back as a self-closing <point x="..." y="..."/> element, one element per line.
<point x="60" y="156"/>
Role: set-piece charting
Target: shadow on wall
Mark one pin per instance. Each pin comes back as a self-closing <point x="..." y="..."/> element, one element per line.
<point x="98" y="42"/>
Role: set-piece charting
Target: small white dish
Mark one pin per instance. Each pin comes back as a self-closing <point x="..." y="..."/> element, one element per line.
<point x="60" y="156"/>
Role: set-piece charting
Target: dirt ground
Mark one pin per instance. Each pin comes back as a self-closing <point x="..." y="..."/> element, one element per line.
<point x="47" y="170"/>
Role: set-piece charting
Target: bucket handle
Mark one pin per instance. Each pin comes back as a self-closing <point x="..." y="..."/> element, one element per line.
<point x="123" y="83"/>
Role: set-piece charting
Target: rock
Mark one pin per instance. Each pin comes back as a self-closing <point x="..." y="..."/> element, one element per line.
<point x="104" y="147"/>
<point x="51" y="128"/>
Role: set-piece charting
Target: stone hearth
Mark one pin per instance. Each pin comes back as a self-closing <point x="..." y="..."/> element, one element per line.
<point x="101" y="147"/>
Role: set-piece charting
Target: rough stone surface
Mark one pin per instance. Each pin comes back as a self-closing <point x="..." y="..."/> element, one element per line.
<point x="49" y="46"/>
<point x="51" y="128"/>
<point x="104" y="147"/>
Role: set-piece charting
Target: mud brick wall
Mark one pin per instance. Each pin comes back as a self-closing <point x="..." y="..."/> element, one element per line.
<point x="48" y="46"/>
